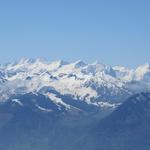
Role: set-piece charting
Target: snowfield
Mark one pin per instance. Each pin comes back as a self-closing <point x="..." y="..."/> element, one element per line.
<point x="96" y="84"/>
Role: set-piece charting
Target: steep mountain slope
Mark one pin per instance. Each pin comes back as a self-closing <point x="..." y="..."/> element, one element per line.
<point x="127" y="128"/>
<point x="35" y="122"/>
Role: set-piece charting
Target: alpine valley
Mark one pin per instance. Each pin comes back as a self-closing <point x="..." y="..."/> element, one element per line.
<point x="74" y="106"/>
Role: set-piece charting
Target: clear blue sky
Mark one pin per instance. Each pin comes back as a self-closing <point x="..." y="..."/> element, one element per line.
<point x="111" y="31"/>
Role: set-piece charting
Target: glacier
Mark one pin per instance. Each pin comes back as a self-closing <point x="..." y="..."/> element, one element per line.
<point x="95" y="84"/>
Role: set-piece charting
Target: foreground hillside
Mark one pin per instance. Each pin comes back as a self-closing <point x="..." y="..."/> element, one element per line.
<point x="127" y="128"/>
<point x="26" y="127"/>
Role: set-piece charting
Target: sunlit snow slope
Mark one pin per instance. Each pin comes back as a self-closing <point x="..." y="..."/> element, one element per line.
<point x="95" y="84"/>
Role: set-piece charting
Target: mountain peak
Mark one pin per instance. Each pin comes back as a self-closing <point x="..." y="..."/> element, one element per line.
<point x="97" y="63"/>
<point x="142" y="70"/>
<point x="79" y="64"/>
<point x="27" y="60"/>
<point x="146" y="66"/>
<point x="59" y="63"/>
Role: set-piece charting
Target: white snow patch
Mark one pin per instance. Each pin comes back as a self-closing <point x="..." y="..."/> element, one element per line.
<point x="17" y="101"/>
<point x="57" y="100"/>
<point x="43" y="109"/>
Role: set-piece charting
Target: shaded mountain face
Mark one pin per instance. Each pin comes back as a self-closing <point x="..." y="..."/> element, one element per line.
<point x="36" y="122"/>
<point x="45" y="126"/>
<point x="126" y="128"/>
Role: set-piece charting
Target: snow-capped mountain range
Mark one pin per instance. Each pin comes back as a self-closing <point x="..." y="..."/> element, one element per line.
<point x="95" y="84"/>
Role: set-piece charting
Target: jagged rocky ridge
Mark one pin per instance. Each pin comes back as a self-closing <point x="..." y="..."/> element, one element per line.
<point x="94" y="84"/>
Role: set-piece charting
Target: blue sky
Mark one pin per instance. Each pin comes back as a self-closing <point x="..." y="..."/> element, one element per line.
<point x="115" y="32"/>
